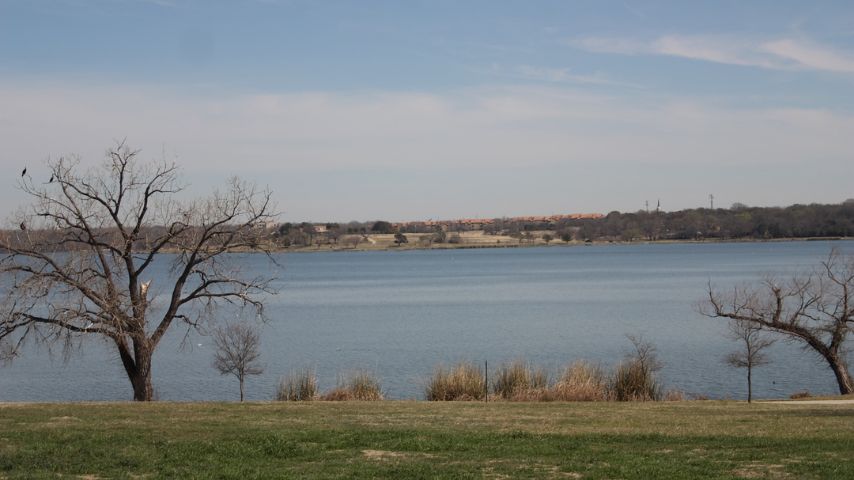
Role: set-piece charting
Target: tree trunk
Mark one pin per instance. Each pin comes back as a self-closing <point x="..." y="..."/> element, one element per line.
<point x="142" y="389"/>
<point x="138" y="369"/>
<point x="241" y="388"/>
<point x="846" y="384"/>
<point x="749" y="385"/>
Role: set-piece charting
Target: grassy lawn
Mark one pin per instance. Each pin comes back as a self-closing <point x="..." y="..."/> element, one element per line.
<point x="427" y="440"/>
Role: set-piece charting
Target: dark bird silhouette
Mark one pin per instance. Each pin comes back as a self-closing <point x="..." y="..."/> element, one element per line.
<point x="23" y="226"/>
<point x="51" y="179"/>
<point x="24" y="172"/>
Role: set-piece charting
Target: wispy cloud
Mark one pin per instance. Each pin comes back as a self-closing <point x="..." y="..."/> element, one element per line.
<point x="778" y="54"/>
<point x="553" y="75"/>
<point x="566" y="75"/>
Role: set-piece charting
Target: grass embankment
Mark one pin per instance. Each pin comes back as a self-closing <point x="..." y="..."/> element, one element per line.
<point x="427" y="440"/>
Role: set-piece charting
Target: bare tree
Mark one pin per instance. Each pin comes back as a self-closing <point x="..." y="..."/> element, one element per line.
<point x="751" y="355"/>
<point x="815" y="309"/>
<point x="237" y="351"/>
<point x="82" y="268"/>
<point x="352" y="240"/>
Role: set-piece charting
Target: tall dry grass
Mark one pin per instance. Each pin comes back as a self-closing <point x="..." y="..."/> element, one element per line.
<point x="520" y="381"/>
<point x="635" y="378"/>
<point x="362" y="386"/>
<point x="464" y="381"/>
<point x="581" y="381"/>
<point x="634" y="381"/>
<point x="299" y="385"/>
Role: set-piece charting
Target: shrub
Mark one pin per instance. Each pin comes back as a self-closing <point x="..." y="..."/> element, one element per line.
<point x="801" y="394"/>
<point x="363" y="386"/>
<point x="634" y="381"/>
<point x="674" y="396"/>
<point x="581" y="382"/>
<point x="520" y="381"/>
<point x="634" y="378"/>
<point x="464" y="381"/>
<point x="298" y="386"/>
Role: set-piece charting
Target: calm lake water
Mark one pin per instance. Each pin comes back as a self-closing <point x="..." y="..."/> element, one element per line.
<point x="399" y="314"/>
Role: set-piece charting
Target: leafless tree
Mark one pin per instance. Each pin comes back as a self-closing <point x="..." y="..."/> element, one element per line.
<point x="352" y="240"/>
<point x="237" y="351"/>
<point x="645" y="353"/>
<point x="751" y="354"/>
<point x="815" y="309"/>
<point x="83" y="266"/>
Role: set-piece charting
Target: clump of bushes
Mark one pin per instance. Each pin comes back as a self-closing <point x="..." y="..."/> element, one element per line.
<point x="363" y="386"/>
<point x="800" y="394"/>
<point x="520" y="381"/>
<point x="633" y="381"/>
<point x="581" y="382"/>
<point x="464" y="381"/>
<point x="635" y="378"/>
<point x="299" y="385"/>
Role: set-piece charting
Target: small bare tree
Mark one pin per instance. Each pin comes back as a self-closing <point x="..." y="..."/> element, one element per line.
<point x="80" y="265"/>
<point x="751" y="354"/>
<point x="352" y="240"/>
<point x="237" y="351"/>
<point x="815" y="309"/>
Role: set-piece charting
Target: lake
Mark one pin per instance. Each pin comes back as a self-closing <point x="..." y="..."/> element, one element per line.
<point x="399" y="314"/>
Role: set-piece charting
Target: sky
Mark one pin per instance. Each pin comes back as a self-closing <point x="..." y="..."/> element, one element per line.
<point x="407" y="110"/>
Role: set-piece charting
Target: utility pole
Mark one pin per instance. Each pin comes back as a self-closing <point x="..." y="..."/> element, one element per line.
<point x="711" y="202"/>
<point x="647" y="206"/>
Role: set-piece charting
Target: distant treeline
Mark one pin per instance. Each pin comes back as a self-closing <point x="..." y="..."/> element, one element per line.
<point x="737" y="222"/>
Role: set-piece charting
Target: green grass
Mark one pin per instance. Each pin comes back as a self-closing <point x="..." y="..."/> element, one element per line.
<point x="427" y="440"/>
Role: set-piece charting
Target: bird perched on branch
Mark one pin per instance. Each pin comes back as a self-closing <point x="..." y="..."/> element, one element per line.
<point x="23" y="226"/>
<point x="23" y="172"/>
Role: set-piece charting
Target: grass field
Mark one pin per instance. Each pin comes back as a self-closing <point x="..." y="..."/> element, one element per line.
<point x="427" y="440"/>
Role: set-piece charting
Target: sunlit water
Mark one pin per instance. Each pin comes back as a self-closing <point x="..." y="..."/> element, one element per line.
<point x="399" y="314"/>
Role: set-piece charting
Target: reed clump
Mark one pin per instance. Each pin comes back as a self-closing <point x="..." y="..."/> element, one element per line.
<point x="633" y="381"/>
<point x="521" y="381"/>
<point x="361" y="386"/>
<point x="582" y="382"/>
<point x="635" y="378"/>
<point x="464" y="381"/>
<point x="298" y="386"/>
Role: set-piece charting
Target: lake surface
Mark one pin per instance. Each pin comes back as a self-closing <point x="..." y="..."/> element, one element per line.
<point x="400" y="314"/>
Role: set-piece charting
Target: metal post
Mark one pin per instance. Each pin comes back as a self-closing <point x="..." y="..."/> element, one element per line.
<point x="486" y="379"/>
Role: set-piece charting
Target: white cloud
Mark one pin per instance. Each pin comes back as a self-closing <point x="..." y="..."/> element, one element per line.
<point x="810" y="55"/>
<point x="566" y="75"/>
<point x="778" y="54"/>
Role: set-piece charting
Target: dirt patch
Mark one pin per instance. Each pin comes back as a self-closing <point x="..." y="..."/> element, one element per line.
<point x="386" y="455"/>
<point x="59" y="421"/>
<point x="761" y="470"/>
<point x="64" y="419"/>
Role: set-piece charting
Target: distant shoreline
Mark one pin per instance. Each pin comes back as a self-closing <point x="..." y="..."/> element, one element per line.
<point x="553" y="244"/>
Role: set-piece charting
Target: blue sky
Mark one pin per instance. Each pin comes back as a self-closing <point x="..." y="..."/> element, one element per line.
<point x="438" y="109"/>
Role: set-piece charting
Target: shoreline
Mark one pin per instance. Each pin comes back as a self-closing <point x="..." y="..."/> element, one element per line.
<point x="596" y="243"/>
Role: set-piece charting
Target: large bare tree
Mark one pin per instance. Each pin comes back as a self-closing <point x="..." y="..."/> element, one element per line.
<point x="80" y="263"/>
<point x="815" y="309"/>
